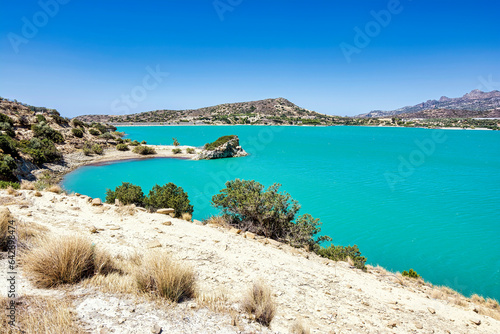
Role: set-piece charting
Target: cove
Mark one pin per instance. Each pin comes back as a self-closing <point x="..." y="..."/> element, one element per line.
<point x="409" y="198"/>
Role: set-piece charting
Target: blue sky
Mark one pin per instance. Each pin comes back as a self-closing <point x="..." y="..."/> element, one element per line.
<point x="96" y="57"/>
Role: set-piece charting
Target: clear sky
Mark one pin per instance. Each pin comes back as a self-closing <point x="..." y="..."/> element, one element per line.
<point x="334" y="57"/>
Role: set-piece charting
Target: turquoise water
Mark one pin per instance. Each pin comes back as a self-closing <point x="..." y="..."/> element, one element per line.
<point x="419" y="198"/>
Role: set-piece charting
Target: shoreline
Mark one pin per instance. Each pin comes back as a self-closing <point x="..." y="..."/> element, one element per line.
<point x="294" y="125"/>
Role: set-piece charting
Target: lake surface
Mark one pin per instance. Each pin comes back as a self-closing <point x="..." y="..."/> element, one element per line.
<point x="409" y="198"/>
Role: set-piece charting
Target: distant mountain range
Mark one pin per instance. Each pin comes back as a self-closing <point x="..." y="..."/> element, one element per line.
<point x="473" y="104"/>
<point x="270" y="111"/>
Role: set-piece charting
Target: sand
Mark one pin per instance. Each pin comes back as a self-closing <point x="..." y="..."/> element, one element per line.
<point x="326" y="296"/>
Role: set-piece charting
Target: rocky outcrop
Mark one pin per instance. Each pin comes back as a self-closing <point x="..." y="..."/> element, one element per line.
<point x="229" y="149"/>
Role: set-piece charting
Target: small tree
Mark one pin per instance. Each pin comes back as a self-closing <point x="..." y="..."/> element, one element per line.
<point x="127" y="193"/>
<point x="269" y="213"/>
<point x="169" y="196"/>
<point x="176" y="142"/>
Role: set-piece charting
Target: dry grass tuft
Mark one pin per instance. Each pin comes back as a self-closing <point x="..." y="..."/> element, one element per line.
<point x="460" y="301"/>
<point x="11" y="191"/>
<point x="217" y="220"/>
<point x="65" y="260"/>
<point x="187" y="216"/>
<point x="25" y="233"/>
<point x="126" y="210"/>
<point x="215" y="301"/>
<point x="477" y="299"/>
<point x="166" y="278"/>
<point x="54" y="189"/>
<point x="260" y="303"/>
<point x="5" y="219"/>
<point x="40" y="315"/>
<point x="299" y="328"/>
<point x="493" y="304"/>
<point x="27" y="185"/>
<point x="37" y="194"/>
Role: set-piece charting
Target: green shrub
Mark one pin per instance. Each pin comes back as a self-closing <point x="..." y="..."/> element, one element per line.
<point x="97" y="149"/>
<point x="45" y="131"/>
<point x="58" y="118"/>
<point x="78" y="123"/>
<point x="41" y="119"/>
<point x="176" y="151"/>
<point x="101" y="127"/>
<point x="144" y="150"/>
<point x="127" y="193"/>
<point x="6" y="119"/>
<point x="412" y="274"/>
<point x="119" y="141"/>
<point x="7" y="128"/>
<point x="135" y="143"/>
<point x="118" y="134"/>
<point x="77" y="132"/>
<point x="246" y="205"/>
<point x="41" y="150"/>
<point x="143" y="142"/>
<point x="94" y="132"/>
<point x="6" y="184"/>
<point x="169" y="196"/>
<point x="176" y="142"/>
<point x="341" y="253"/>
<point x="7" y="167"/>
<point x="190" y="150"/>
<point x="107" y="136"/>
<point x="122" y="147"/>
<point x="220" y="141"/>
<point x="8" y="146"/>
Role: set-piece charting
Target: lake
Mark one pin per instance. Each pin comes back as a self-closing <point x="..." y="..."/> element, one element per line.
<point x="409" y="198"/>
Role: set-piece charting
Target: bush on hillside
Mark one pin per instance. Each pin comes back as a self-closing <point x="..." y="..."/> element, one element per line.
<point x="169" y="196"/>
<point x="77" y="132"/>
<point x="94" y="132"/>
<point x="176" y="151"/>
<point x="7" y="167"/>
<point x="100" y="127"/>
<point x="341" y="253"/>
<point x="220" y="141"/>
<point x="97" y="149"/>
<point x="41" y="119"/>
<point x="7" y="129"/>
<point x="134" y="143"/>
<point x="144" y="150"/>
<point x="412" y="274"/>
<point x="78" y="123"/>
<point x="6" y="119"/>
<point x="127" y="193"/>
<point x="8" y="146"/>
<point x="122" y="147"/>
<point x="58" y="118"/>
<point x="45" y="131"/>
<point x="41" y="150"/>
<point x="107" y="136"/>
<point x="248" y="206"/>
<point x="190" y="150"/>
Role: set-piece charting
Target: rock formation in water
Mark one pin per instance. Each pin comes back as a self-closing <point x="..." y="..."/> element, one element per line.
<point x="224" y="147"/>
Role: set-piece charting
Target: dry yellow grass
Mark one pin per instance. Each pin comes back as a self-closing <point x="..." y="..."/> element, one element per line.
<point x="24" y="232"/>
<point x="187" y="216"/>
<point x="166" y="278"/>
<point x="477" y="299"/>
<point x="54" y="189"/>
<point x="11" y="191"/>
<point x="259" y="302"/>
<point x="217" y="220"/>
<point x="64" y="260"/>
<point x="6" y="229"/>
<point x="40" y="315"/>
<point x="27" y="185"/>
<point x="216" y="301"/>
<point x="299" y="328"/>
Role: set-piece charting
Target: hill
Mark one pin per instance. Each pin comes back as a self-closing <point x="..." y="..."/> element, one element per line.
<point x="270" y="111"/>
<point x="474" y="104"/>
<point x="31" y="137"/>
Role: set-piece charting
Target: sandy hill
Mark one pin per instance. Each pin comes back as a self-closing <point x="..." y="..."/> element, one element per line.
<point x="322" y="295"/>
<point x="269" y="111"/>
